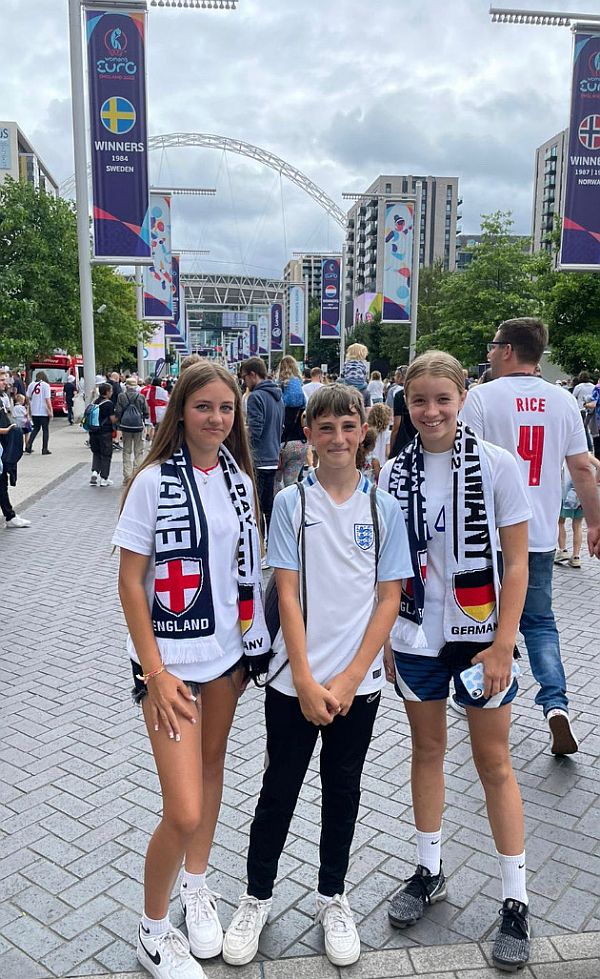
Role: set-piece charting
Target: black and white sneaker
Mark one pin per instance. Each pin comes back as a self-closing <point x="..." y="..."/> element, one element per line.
<point x="511" y="945"/>
<point x="423" y="888"/>
<point x="562" y="739"/>
<point x="167" y="956"/>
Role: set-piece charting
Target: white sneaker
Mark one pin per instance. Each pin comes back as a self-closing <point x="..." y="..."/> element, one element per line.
<point x="562" y="739"/>
<point x="456" y="706"/>
<point x="106" y="482"/>
<point x="167" y="956"/>
<point x="204" y="929"/>
<point x="94" y="479"/>
<point x="17" y="522"/>
<point x="342" y="944"/>
<point x="265" y="563"/>
<point x="560" y="557"/>
<point x="240" y="944"/>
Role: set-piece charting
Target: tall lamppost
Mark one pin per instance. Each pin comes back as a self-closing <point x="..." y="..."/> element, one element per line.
<point x="80" y="155"/>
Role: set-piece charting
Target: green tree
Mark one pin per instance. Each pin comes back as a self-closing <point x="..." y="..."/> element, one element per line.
<point x="116" y="328"/>
<point x="572" y="312"/>
<point x="498" y="284"/>
<point x="39" y="290"/>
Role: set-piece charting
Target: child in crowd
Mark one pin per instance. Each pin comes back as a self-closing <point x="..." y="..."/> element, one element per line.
<point x="355" y="370"/>
<point x="101" y="437"/>
<point x="21" y="417"/>
<point x="456" y="492"/>
<point x="375" y="388"/>
<point x="380" y="419"/>
<point x="290" y="382"/>
<point x="366" y="463"/>
<point x="571" y="509"/>
<point x="327" y="672"/>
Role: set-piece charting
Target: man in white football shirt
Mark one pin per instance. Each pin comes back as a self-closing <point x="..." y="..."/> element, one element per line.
<point x="540" y="424"/>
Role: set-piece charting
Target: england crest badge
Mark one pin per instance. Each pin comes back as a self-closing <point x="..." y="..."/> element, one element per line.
<point x="363" y="535"/>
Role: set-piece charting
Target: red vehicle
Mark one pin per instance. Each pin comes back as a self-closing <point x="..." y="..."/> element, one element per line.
<point x="56" y="369"/>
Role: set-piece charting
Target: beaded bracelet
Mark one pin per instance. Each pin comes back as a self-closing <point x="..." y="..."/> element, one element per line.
<point x="144" y="677"/>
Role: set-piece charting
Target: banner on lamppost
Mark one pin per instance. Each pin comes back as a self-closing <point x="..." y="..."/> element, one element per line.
<point x="154" y="348"/>
<point x="580" y="239"/>
<point x="253" y="338"/>
<point x="330" y="299"/>
<point x="173" y="328"/>
<point x="246" y="343"/>
<point x="158" y="277"/>
<point x="240" y="347"/>
<point x="119" y="137"/>
<point x="296" y="324"/>
<point x="397" y="261"/>
<point x="276" y="327"/>
<point x="263" y="335"/>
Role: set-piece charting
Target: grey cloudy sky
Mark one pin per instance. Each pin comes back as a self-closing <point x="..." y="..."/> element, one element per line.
<point x="341" y="89"/>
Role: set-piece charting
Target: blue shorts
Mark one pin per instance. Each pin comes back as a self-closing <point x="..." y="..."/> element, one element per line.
<point x="422" y="678"/>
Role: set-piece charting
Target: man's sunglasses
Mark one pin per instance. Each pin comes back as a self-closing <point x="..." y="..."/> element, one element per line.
<point x="496" y="343"/>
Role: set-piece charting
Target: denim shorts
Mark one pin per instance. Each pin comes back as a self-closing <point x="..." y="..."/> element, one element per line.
<point x="423" y="678"/>
<point x="139" y="689"/>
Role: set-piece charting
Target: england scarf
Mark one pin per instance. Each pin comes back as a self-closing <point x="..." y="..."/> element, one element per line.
<point x="183" y="615"/>
<point x="471" y="572"/>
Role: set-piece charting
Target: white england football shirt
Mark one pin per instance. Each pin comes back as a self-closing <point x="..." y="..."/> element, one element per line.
<point x="340" y="573"/>
<point x="38" y="392"/>
<point x="540" y="425"/>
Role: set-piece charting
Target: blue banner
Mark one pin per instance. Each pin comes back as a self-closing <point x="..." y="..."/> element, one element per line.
<point x="253" y="334"/>
<point x="119" y="139"/>
<point x="158" y="277"/>
<point x="330" y="299"/>
<point x="397" y="261"/>
<point x="175" y="328"/>
<point x="580" y="244"/>
<point x="276" y="327"/>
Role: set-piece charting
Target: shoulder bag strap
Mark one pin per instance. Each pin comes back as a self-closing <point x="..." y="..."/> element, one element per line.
<point x="376" y="532"/>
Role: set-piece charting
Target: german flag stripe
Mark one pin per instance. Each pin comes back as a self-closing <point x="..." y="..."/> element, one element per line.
<point x="479" y="612"/>
<point x="246" y="608"/>
<point x="474" y="579"/>
<point x="476" y="596"/>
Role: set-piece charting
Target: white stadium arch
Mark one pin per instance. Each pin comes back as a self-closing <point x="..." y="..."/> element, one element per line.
<point x="209" y="141"/>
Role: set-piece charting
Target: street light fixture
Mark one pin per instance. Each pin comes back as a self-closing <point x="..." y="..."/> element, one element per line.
<point x="546" y="18"/>
<point x="186" y="191"/>
<point x="197" y="4"/>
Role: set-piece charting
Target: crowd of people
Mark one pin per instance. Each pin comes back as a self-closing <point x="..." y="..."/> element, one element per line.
<point x="413" y="527"/>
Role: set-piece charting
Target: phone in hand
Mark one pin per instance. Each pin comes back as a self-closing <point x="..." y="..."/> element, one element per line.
<point x="473" y="679"/>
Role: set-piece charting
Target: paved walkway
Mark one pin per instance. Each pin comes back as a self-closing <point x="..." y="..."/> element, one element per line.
<point x="78" y="793"/>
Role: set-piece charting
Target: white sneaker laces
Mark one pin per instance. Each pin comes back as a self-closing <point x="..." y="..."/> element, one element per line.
<point x="339" y="917"/>
<point x="201" y="904"/>
<point x="174" y="945"/>
<point x="244" y="919"/>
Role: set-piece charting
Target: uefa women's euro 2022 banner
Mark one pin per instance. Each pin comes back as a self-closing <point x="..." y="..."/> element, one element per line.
<point x="276" y="327"/>
<point x="331" y="274"/>
<point x="297" y="316"/>
<point x="158" y="277"/>
<point x="118" y="130"/>
<point x="580" y="245"/>
<point x="397" y="261"/>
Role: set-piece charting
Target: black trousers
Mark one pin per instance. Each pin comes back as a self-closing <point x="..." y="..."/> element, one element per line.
<point x="265" y="487"/>
<point x="5" y="506"/>
<point x="290" y="743"/>
<point x="39" y="421"/>
<point x="101" y="446"/>
<point x="69" y="407"/>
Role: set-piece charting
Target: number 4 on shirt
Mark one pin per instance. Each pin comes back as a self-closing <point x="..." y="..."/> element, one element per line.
<point x="531" y="449"/>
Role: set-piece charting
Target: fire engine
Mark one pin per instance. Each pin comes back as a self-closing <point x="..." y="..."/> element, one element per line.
<point x="57" y="368"/>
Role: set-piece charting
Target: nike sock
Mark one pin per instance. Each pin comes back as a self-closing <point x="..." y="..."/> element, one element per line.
<point x="154" y="927"/>
<point x="193" y="882"/>
<point x="429" y="850"/>
<point x="513" y="877"/>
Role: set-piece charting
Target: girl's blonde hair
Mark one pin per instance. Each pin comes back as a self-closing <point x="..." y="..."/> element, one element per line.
<point x="436" y="363"/>
<point x="357" y="351"/>
<point x="288" y="367"/>
<point x="380" y="417"/>
<point x="171" y="435"/>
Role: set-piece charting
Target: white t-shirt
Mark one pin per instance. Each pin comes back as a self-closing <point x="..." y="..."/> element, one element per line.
<point x="340" y="573"/>
<point x="38" y="393"/>
<point x="381" y="443"/>
<point x="375" y="389"/>
<point x="135" y="531"/>
<point x="540" y="425"/>
<point x="310" y="388"/>
<point x="582" y="393"/>
<point x="510" y="507"/>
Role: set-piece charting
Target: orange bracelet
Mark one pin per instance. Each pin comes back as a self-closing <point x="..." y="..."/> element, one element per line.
<point x="144" y="677"/>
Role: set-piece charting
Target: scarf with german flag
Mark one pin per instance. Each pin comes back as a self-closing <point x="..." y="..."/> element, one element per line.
<point x="471" y="572"/>
<point x="183" y="615"/>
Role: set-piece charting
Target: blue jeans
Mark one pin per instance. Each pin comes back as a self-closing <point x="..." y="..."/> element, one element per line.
<point x="541" y="635"/>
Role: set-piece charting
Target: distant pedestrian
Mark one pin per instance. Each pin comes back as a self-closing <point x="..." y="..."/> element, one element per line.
<point x="375" y="388"/>
<point x="8" y="433"/>
<point x="38" y="394"/>
<point x="131" y="413"/>
<point x="157" y="400"/>
<point x="265" y="412"/>
<point x="290" y="381"/>
<point x="356" y="369"/>
<point x="101" y="438"/>
<point x="315" y="382"/>
<point x="69" y="391"/>
<point x="21" y="417"/>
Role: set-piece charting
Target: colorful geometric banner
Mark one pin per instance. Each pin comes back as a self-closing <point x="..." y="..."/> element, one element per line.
<point x="366" y="305"/>
<point x="119" y="139"/>
<point x="175" y="328"/>
<point x="397" y="261"/>
<point x="296" y="324"/>
<point x="253" y="334"/>
<point x="276" y="327"/>
<point x="580" y="244"/>
<point x="154" y="348"/>
<point x="330" y="298"/>
<point x="157" y="278"/>
<point x="263" y="335"/>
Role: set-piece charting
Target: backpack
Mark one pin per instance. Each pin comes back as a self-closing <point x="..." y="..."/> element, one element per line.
<point x="131" y="418"/>
<point x="91" y="418"/>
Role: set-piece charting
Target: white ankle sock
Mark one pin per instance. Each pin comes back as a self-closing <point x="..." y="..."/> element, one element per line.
<point x="323" y="898"/>
<point x="513" y="877"/>
<point x="153" y="926"/>
<point x="193" y="882"/>
<point x="429" y="850"/>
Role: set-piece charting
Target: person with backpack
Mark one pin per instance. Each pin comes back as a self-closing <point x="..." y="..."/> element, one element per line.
<point x="131" y="412"/>
<point x="98" y="421"/>
<point x="327" y="672"/>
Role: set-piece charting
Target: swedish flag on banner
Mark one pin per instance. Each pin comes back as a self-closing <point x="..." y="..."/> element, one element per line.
<point x="118" y="115"/>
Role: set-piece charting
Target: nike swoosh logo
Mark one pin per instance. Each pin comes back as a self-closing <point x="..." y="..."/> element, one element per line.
<point x="313" y="523"/>
<point x="372" y="697"/>
<point x="153" y="956"/>
<point x="435" y="842"/>
<point x="521" y="865"/>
